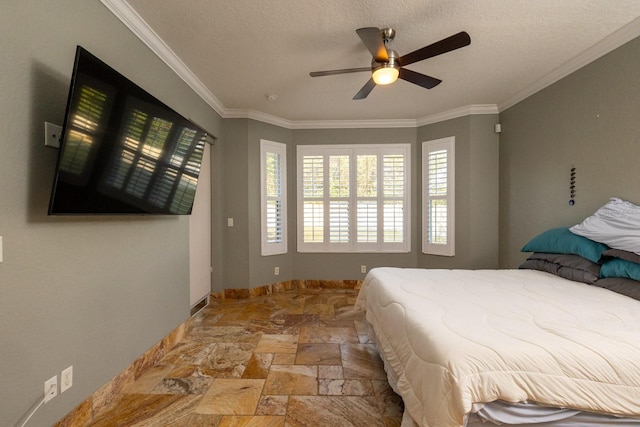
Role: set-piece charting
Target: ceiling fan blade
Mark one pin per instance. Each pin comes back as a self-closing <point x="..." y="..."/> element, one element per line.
<point x="453" y="42"/>
<point x="419" y="79"/>
<point x="343" y="71"/>
<point x="366" y="90"/>
<point x="372" y="39"/>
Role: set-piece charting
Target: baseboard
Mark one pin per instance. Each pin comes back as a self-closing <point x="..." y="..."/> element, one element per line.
<point x="287" y="286"/>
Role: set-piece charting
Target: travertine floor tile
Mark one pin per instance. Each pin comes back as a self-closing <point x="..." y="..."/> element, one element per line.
<point x="292" y="379"/>
<point x="297" y="358"/>
<point x="298" y="320"/>
<point x="197" y="420"/>
<point x="330" y="372"/>
<point x="146" y="409"/>
<point x="217" y="334"/>
<point x="277" y="344"/>
<point x="274" y="326"/>
<point x="188" y="352"/>
<point x="148" y="380"/>
<point x="323" y="334"/>
<point x="228" y="360"/>
<point x="258" y="366"/>
<point x="318" y="354"/>
<point x="284" y="359"/>
<point x="231" y="397"/>
<point x="256" y="421"/>
<point x="361" y="361"/>
<point x="345" y="387"/>
<point x="331" y="322"/>
<point x="319" y="309"/>
<point x="272" y="405"/>
<point x="391" y="404"/>
<point x="365" y="332"/>
<point x="331" y="411"/>
<point x="184" y="381"/>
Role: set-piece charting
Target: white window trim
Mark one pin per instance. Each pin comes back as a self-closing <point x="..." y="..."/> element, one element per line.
<point x="280" y="149"/>
<point x="354" y="246"/>
<point x="447" y="249"/>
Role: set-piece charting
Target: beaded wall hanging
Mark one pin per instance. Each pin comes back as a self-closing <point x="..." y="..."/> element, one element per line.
<point x="572" y="186"/>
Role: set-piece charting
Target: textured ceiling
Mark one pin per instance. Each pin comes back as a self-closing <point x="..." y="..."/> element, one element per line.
<point x="241" y="50"/>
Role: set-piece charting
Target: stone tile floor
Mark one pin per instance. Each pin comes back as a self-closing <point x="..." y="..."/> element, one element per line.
<point x="296" y="358"/>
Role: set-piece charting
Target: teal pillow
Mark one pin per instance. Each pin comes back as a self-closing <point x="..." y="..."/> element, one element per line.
<point x="563" y="241"/>
<point x="620" y="268"/>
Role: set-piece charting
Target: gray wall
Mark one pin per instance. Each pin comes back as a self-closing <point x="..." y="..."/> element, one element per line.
<point x="476" y="201"/>
<point x="235" y="176"/>
<point x="94" y="293"/>
<point x="588" y="119"/>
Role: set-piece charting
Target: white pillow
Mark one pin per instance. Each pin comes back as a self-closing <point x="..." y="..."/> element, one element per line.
<point x="616" y="224"/>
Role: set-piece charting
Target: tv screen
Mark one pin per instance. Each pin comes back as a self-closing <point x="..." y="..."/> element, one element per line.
<point x="122" y="150"/>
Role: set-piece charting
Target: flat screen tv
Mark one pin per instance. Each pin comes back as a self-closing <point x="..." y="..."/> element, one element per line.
<point x="122" y="150"/>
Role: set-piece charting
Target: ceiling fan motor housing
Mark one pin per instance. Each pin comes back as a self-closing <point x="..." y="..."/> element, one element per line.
<point x="390" y="69"/>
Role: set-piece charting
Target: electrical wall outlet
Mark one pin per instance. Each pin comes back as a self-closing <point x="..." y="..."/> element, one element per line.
<point x="50" y="388"/>
<point x="52" y="135"/>
<point x="66" y="379"/>
<point x="363" y="269"/>
<point x="276" y="271"/>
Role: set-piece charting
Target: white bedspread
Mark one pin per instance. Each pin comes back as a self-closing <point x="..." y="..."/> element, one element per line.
<point x="452" y="338"/>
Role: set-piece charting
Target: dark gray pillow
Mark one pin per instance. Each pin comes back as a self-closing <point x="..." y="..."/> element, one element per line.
<point x="622" y="254"/>
<point x="627" y="287"/>
<point x="567" y="266"/>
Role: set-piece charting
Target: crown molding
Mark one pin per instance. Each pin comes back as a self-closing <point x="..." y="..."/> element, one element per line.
<point x="604" y="46"/>
<point x="317" y="124"/>
<point x="458" y="112"/>
<point x="257" y="115"/>
<point x="134" y="22"/>
<point x="354" y="124"/>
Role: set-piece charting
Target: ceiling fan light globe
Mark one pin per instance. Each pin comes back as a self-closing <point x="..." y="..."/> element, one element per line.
<point x="385" y="74"/>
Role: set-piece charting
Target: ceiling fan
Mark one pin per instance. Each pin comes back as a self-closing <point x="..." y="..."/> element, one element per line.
<point x="386" y="66"/>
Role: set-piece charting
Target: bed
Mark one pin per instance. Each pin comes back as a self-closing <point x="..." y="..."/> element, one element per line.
<point x="554" y="343"/>
<point x="516" y="347"/>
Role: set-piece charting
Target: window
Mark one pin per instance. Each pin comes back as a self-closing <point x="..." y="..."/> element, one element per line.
<point x="438" y="201"/>
<point x="273" y="184"/>
<point x="354" y="198"/>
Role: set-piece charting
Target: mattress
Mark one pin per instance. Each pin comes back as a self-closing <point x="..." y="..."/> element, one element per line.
<point x="454" y="339"/>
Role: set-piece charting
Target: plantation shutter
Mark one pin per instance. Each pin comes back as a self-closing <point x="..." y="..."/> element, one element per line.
<point x="438" y="200"/>
<point x="273" y="197"/>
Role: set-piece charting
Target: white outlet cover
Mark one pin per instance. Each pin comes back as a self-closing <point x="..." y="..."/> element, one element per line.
<point x="66" y="379"/>
<point x="50" y="388"/>
<point x="52" y="135"/>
